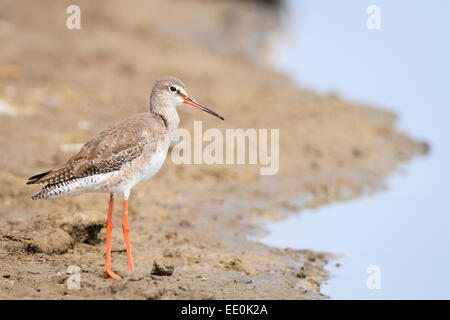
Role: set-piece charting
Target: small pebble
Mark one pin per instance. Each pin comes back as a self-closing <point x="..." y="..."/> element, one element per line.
<point x="162" y="269"/>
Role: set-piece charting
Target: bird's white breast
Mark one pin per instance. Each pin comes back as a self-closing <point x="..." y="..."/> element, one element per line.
<point x="139" y="170"/>
<point x="155" y="163"/>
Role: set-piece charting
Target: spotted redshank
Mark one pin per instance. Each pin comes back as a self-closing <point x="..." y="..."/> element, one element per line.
<point x="120" y="157"/>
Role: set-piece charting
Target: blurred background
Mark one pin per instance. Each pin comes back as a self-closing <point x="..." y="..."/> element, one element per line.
<point x="363" y="117"/>
<point x="404" y="67"/>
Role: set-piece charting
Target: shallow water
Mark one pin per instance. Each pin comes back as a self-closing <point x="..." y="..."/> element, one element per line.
<point x="403" y="233"/>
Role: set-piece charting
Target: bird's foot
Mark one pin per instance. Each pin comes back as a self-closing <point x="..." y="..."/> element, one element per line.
<point x="110" y="274"/>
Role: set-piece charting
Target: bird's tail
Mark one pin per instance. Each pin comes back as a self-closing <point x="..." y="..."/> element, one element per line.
<point x="41" y="194"/>
<point x="36" y="178"/>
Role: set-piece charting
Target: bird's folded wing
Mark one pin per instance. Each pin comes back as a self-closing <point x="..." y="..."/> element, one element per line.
<point x="106" y="152"/>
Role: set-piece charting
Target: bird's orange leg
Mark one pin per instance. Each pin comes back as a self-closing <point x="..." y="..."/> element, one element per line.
<point x="126" y="234"/>
<point x="109" y="227"/>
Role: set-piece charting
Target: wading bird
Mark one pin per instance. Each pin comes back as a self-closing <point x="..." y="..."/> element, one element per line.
<point x="120" y="157"/>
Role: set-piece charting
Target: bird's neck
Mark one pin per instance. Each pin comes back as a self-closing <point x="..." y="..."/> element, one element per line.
<point x="168" y="114"/>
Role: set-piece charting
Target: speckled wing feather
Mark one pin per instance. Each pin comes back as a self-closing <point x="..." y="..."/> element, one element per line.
<point x="108" y="150"/>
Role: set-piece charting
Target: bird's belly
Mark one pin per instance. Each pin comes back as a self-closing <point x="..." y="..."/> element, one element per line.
<point x="139" y="170"/>
<point x="150" y="168"/>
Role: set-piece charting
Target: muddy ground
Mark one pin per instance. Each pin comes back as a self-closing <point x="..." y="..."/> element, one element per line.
<point x="190" y="223"/>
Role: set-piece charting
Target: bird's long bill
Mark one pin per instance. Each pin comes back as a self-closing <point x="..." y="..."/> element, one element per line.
<point x="201" y="107"/>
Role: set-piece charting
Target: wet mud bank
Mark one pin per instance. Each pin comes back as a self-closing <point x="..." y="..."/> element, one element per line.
<point x="191" y="225"/>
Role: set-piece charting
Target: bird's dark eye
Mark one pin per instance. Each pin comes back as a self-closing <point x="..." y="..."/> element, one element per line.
<point x="172" y="88"/>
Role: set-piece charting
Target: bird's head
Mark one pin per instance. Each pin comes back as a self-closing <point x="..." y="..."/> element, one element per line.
<point x="170" y="92"/>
